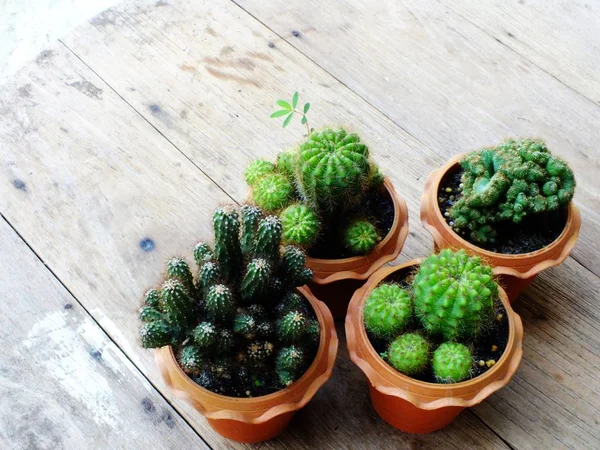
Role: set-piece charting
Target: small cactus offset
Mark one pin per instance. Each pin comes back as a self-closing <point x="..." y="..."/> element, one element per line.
<point x="388" y="310"/>
<point x="452" y="362"/>
<point x="239" y="328"/>
<point x="361" y="237"/>
<point x="258" y="169"/>
<point x="273" y="192"/>
<point x="301" y="225"/>
<point x="409" y="353"/>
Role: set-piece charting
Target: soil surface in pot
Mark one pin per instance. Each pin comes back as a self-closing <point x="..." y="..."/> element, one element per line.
<point x="231" y="375"/>
<point x="486" y="350"/>
<point x="378" y="207"/>
<point x="533" y="233"/>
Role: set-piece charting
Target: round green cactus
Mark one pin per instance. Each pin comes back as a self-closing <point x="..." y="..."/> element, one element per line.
<point x="226" y="224"/>
<point x="219" y="304"/>
<point x="289" y="359"/>
<point x="508" y="183"/>
<point x="285" y="163"/>
<point x="178" y="269"/>
<point x="202" y="253"/>
<point x="452" y="362"/>
<point x="251" y="215"/>
<point x="292" y="267"/>
<point x="150" y="314"/>
<point x="273" y="192"/>
<point x="206" y="335"/>
<point x="454" y="294"/>
<point x="286" y="378"/>
<point x="257" y="279"/>
<point x="156" y="334"/>
<point x="152" y="298"/>
<point x="291" y="302"/>
<point x="268" y="239"/>
<point x="301" y="225"/>
<point x="409" y="354"/>
<point x="191" y="359"/>
<point x="259" y="352"/>
<point x="387" y="311"/>
<point x="292" y="326"/>
<point x="177" y="304"/>
<point x="333" y="169"/>
<point x="208" y="276"/>
<point x="361" y="237"/>
<point x="245" y="325"/>
<point x="258" y="169"/>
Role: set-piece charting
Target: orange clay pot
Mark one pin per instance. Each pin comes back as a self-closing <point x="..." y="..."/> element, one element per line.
<point x="335" y="280"/>
<point x="260" y="418"/>
<point x="415" y="406"/>
<point x="515" y="272"/>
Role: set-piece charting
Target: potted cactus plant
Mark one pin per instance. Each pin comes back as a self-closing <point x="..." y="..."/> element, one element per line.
<point x="510" y="204"/>
<point x="241" y="341"/>
<point x="333" y="202"/>
<point x="433" y="338"/>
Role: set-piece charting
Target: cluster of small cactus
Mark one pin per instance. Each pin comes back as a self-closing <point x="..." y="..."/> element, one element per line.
<point x="508" y="183"/>
<point x="313" y="186"/>
<point x="451" y="300"/>
<point x="238" y="328"/>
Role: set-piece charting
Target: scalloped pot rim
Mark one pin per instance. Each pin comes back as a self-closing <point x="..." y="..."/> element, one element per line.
<point x="258" y="410"/>
<point x="445" y="236"/>
<point x="424" y="395"/>
<point x="362" y="267"/>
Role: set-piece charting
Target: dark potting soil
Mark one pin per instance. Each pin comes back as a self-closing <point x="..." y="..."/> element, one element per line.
<point x="533" y="233"/>
<point x="486" y="350"/>
<point x="377" y="207"/>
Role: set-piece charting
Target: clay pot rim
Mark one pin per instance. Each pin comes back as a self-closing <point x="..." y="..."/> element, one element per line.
<point x="573" y="223"/>
<point x="400" y="220"/>
<point x="327" y="348"/>
<point x="387" y="380"/>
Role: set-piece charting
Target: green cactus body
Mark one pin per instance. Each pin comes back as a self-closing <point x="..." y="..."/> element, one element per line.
<point x="251" y="215"/>
<point x="387" y="310"/>
<point x="178" y="269"/>
<point x="245" y="325"/>
<point x="333" y="169"/>
<point x="257" y="280"/>
<point x="273" y="192"/>
<point x="202" y="253"/>
<point x="258" y="169"/>
<point x="292" y="267"/>
<point x="508" y="183"/>
<point x="150" y="314"/>
<point x="219" y="304"/>
<point x="409" y="354"/>
<point x="228" y="252"/>
<point x="177" y="304"/>
<point x="313" y="333"/>
<point x="292" y="326"/>
<point x="152" y="298"/>
<point x="454" y="294"/>
<point x="361" y="237"/>
<point x="259" y="352"/>
<point x="301" y="225"/>
<point x="205" y="335"/>
<point x="156" y="334"/>
<point x="191" y="359"/>
<point x="208" y="276"/>
<point x="268" y="239"/>
<point x="289" y="359"/>
<point x="452" y="362"/>
<point x="285" y="378"/>
<point x="285" y="163"/>
<point x="291" y="302"/>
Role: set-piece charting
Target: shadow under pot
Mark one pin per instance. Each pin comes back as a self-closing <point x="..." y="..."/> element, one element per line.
<point x="515" y="271"/>
<point x="413" y="405"/>
<point x="259" y="418"/>
<point x="335" y="280"/>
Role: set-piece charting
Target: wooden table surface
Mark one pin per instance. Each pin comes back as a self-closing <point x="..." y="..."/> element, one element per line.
<point x="119" y="140"/>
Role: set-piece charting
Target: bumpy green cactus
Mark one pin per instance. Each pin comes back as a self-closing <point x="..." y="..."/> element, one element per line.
<point x="224" y="326"/>
<point x="301" y="225"/>
<point x="452" y="362"/>
<point x="288" y="362"/>
<point x="454" y="294"/>
<point x="515" y="180"/>
<point x="286" y="164"/>
<point x="361" y="237"/>
<point x="409" y="353"/>
<point x="388" y="310"/>
<point x="333" y="169"/>
<point x="273" y="192"/>
<point x="258" y="169"/>
<point x="251" y="215"/>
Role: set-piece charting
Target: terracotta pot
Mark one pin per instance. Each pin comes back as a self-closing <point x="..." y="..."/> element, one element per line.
<point x="335" y="280"/>
<point x="260" y="418"/>
<point x="515" y="272"/>
<point x="416" y="406"/>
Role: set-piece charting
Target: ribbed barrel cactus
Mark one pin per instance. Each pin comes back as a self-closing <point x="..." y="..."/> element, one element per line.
<point x="409" y="353"/>
<point x="258" y="169"/>
<point x="452" y="362"/>
<point x="239" y="328"/>
<point x="515" y="180"/>
<point x="388" y="310"/>
<point x="301" y="225"/>
<point x="361" y="237"/>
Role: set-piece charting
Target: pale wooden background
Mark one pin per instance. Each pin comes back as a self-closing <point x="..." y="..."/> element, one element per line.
<point x="135" y="126"/>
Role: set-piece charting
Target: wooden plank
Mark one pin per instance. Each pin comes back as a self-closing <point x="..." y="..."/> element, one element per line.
<point x="446" y="82"/>
<point x="63" y="383"/>
<point x="105" y="200"/>
<point x="559" y="36"/>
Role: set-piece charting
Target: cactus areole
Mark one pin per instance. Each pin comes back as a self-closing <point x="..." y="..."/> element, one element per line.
<point x="238" y="328"/>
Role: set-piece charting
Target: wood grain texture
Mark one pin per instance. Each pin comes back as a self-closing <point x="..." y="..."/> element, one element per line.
<point x="104" y="199"/>
<point x="559" y="36"/>
<point x="63" y="383"/>
<point x="446" y="82"/>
